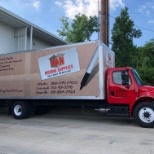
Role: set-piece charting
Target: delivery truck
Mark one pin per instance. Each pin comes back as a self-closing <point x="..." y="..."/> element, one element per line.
<point x="82" y="74"/>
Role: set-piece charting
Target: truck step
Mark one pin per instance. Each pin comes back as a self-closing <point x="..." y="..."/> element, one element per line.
<point x="115" y="111"/>
<point x="118" y="111"/>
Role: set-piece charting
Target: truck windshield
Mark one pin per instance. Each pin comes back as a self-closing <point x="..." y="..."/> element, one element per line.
<point x="137" y="77"/>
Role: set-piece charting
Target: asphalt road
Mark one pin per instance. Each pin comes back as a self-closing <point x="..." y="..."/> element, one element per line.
<point x="73" y="134"/>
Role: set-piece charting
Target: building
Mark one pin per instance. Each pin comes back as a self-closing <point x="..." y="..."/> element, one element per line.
<point x="17" y="34"/>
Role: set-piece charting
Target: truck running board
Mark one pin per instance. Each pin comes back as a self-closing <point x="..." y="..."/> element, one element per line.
<point x="115" y="111"/>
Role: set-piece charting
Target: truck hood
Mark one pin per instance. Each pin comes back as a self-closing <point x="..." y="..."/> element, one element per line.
<point x="146" y="89"/>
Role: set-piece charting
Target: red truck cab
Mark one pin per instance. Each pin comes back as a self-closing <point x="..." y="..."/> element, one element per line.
<point x="125" y="87"/>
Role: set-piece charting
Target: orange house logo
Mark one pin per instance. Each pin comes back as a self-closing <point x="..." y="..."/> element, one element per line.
<point x="56" y="61"/>
<point x="109" y="57"/>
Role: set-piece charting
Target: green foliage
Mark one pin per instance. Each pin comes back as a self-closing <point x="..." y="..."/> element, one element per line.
<point x="79" y="30"/>
<point x="123" y="33"/>
<point x="127" y="54"/>
<point x="146" y="62"/>
<point x="147" y="75"/>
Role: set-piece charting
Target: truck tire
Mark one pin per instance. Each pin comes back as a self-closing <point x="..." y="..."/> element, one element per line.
<point x="21" y="110"/>
<point x="144" y="114"/>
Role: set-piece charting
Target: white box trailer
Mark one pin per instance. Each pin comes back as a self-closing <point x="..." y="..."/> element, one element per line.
<point x="69" y="72"/>
<point x="56" y="73"/>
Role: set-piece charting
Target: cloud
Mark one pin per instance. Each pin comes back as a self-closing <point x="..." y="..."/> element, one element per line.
<point x="147" y="7"/>
<point x="36" y="4"/>
<point x="87" y="7"/>
<point x="21" y="5"/>
<point x="151" y="21"/>
<point x="58" y="3"/>
<point x="114" y="4"/>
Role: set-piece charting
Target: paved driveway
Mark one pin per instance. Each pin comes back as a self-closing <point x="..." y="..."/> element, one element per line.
<point x="73" y="134"/>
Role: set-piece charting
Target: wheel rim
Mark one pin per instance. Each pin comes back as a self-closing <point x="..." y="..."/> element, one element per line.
<point x="18" y="110"/>
<point x="146" y="114"/>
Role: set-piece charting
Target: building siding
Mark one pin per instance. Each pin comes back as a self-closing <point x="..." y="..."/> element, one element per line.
<point x="8" y="42"/>
<point x="37" y="43"/>
<point x="17" y="39"/>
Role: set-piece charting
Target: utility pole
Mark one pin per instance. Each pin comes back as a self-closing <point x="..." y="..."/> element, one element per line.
<point x="104" y="25"/>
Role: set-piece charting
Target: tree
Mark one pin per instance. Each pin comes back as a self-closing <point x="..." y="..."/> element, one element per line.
<point x="80" y="29"/>
<point x="123" y="33"/>
<point x="146" y="62"/>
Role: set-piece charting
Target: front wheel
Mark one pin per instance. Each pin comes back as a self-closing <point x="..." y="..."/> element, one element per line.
<point x="21" y="110"/>
<point x="144" y="114"/>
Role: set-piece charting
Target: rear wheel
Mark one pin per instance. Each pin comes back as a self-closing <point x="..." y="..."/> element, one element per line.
<point x="21" y="110"/>
<point x="144" y="114"/>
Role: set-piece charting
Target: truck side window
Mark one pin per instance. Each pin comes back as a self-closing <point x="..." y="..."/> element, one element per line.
<point x="117" y="79"/>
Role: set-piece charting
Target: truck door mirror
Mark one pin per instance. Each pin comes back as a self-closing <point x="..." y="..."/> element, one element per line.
<point x="123" y="75"/>
<point x="125" y="79"/>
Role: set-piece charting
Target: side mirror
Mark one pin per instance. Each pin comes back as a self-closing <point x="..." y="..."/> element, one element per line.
<point x="123" y="75"/>
<point x="125" y="79"/>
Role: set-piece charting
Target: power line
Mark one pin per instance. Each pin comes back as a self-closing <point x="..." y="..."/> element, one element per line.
<point x="137" y="13"/>
<point x="145" y="28"/>
<point x="138" y="26"/>
<point x="112" y="17"/>
<point x="148" y="12"/>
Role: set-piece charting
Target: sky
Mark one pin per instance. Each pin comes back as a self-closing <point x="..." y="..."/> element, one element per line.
<point x="46" y="14"/>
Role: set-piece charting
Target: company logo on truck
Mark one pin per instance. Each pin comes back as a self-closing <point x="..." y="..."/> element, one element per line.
<point x="109" y="58"/>
<point x="56" y="61"/>
<point x="59" y="64"/>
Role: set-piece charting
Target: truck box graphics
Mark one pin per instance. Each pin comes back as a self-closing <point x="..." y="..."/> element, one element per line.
<point x="59" y="64"/>
<point x="55" y="72"/>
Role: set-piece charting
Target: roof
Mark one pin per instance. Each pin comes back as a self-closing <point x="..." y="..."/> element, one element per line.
<point x="13" y="20"/>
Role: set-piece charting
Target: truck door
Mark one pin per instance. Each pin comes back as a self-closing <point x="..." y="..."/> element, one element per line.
<point x="121" y="89"/>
